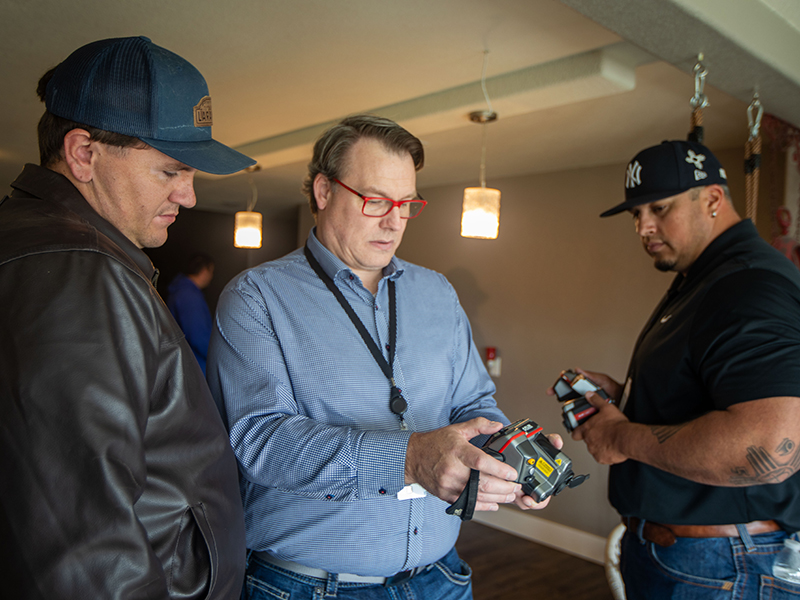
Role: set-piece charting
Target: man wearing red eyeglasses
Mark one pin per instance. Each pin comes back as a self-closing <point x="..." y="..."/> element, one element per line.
<point x="351" y="388"/>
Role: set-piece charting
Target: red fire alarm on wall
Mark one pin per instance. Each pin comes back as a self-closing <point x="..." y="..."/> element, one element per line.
<point x="492" y="361"/>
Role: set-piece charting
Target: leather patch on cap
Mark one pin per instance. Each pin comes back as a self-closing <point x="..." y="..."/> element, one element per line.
<point x="202" y="112"/>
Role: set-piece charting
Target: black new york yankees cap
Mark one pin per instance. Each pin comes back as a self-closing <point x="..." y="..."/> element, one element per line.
<point x="666" y="170"/>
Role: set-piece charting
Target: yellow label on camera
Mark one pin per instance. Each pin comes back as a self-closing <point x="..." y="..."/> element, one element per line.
<point x="544" y="467"/>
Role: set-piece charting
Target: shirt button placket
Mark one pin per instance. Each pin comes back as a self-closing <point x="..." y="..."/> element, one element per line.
<point x="415" y="525"/>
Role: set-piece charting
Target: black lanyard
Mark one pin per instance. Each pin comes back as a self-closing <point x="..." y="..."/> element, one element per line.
<point x="397" y="403"/>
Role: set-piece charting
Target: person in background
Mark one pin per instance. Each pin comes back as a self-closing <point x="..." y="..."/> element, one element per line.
<point x="116" y="476"/>
<point x="352" y="388"/>
<point x="704" y="445"/>
<point x="188" y="305"/>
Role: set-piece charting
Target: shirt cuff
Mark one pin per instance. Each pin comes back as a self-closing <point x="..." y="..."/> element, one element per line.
<point x="381" y="463"/>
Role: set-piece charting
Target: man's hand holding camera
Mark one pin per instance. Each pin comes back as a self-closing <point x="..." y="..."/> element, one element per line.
<point x="441" y="460"/>
<point x="603" y="431"/>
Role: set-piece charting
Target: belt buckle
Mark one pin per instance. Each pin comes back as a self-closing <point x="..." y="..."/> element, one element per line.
<point x="402" y="577"/>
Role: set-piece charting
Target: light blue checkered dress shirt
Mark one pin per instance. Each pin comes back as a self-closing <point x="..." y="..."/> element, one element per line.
<point x="320" y="453"/>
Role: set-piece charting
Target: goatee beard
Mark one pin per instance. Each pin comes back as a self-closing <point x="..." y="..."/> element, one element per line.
<point x="665" y="265"/>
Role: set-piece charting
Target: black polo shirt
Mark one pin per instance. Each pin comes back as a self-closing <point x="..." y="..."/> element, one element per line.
<point x="727" y="332"/>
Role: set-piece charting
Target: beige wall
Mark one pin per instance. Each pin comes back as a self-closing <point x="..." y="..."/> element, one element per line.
<point x="559" y="288"/>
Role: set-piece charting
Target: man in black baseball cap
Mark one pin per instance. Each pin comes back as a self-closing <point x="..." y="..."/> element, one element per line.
<point x="704" y="444"/>
<point x="118" y="480"/>
<point x="667" y="170"/>
<point x="671" y="174"/>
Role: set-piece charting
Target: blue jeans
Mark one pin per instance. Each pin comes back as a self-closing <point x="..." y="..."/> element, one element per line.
<point x="729" y="568"/>
<point x="447" y="579"/>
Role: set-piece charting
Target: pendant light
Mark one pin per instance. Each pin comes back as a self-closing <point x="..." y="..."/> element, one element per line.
<point x="480" y="212"/>
<point x="247" y="223"/>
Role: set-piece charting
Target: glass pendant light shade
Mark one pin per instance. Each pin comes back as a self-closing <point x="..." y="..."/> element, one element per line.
<point x="480" y="214"/>
<point x="247" y="229"/>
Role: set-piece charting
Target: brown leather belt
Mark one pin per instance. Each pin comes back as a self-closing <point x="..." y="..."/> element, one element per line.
<point x="665" y="535"/>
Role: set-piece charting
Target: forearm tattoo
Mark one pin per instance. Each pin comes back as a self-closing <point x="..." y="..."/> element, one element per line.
<point x="767" y="467"/>
<point x="664" y="432"/>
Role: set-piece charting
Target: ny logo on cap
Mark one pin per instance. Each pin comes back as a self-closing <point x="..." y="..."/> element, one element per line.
<point x="634" y="175"/>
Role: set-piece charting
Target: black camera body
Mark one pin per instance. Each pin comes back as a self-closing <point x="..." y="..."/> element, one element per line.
<point x="571" y="389"/>
<point x="542" y="469"/>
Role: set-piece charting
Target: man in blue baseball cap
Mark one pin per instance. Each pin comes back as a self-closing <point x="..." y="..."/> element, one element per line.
<point x="117" y="479"/>
<point x="703" y="437"/>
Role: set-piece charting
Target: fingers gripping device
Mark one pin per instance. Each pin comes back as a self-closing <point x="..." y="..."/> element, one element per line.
<point x="542" y="469"/>
<point x="571" y="389"/>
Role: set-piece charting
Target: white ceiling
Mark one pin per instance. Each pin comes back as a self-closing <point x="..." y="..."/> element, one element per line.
<point x="576" y="83"/>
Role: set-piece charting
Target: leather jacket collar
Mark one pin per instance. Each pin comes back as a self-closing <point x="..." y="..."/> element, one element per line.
<point x="44" y="183"/>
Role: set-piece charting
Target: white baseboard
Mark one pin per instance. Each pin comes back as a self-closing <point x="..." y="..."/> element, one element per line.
<point x="561" y="537"/>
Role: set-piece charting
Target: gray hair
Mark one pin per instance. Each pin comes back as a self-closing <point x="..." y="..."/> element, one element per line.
<point x="330" y="150"/>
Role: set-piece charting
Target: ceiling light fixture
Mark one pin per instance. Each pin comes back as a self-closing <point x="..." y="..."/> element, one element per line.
<point x="247" y="223"/>
<point x="480" y="212"/>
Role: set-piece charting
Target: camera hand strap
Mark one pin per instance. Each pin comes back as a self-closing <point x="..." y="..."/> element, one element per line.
<point x="464" y="506"/>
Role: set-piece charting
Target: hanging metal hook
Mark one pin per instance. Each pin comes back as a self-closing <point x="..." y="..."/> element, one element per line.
<point x="755" y="123"/>
<point x="699" y="100"/>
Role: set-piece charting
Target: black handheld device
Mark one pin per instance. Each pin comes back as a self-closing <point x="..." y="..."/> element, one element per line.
<point x="542" y="469"/>
<point x="571" y="389"/>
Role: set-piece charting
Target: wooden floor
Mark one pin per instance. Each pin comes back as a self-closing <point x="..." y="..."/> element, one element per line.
<point x="506" y="566"/>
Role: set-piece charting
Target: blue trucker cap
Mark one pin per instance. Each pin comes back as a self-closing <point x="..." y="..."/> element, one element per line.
<point x="133" y="87"/>
<point x="666" y="170"/>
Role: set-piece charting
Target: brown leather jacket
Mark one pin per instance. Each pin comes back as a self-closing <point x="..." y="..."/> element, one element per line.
<point x="116" y="476"/>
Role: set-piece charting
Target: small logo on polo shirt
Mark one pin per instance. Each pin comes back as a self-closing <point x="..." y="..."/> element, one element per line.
<point x="665" y="318"/>
<point x="202" y="112"/>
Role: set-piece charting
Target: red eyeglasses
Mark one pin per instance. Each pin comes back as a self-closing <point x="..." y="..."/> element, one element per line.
<point x="380" y="207"/>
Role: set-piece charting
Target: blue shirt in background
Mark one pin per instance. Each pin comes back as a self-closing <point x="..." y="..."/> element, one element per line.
<point x="188" y="305"/>
<point x="321" y="455"/>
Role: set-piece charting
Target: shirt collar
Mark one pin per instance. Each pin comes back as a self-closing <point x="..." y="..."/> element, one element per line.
<point x="741" y="231"/>
<point x="49" y="185"/>
<point x="335" y="267"/>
